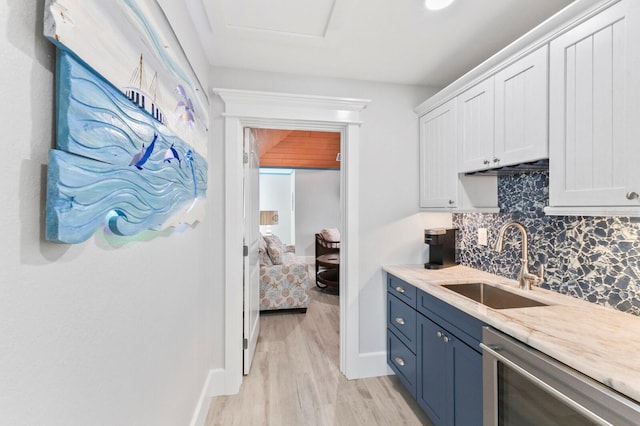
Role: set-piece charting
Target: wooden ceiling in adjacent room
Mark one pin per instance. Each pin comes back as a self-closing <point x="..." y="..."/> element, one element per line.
<point x="298" y="149"/>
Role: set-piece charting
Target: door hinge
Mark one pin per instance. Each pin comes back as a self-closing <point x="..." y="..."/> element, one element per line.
<point x="245" y="250"/>
<point x="245" y="343"/>
<point x="245" y="158"/>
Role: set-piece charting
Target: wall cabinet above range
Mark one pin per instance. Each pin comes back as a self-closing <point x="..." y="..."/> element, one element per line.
<point x="566" y="91"/>
<point x="503" y="120"/>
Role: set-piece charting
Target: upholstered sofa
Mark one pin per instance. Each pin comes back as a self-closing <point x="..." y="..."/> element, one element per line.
<point x="284" y="278"/>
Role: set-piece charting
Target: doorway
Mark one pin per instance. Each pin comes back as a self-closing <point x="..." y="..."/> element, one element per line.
<point x="275" y="110"/>
<point x="300" y="181"/>
<point x="299" y="195"/>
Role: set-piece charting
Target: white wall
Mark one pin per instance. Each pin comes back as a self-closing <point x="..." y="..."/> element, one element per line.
<point x="317" y="206"/>
<point x="277" y="189"/>
<point x="391" y="228"/>
<point x="111" y="331"/>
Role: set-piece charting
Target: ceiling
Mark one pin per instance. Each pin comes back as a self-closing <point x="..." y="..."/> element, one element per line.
<point x="395" y="41"/>
<point x="298" y="149"/>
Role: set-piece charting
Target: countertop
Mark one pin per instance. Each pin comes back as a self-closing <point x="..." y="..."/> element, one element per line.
<point x="600" y="342"/>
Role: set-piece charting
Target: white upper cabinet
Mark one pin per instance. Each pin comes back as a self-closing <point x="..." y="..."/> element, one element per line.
<point x="441" y="187"/>
<point x="475" y="127"/>
<point x="521" y="110"/>
<point x="595" y="113"/>
<point x="503" y="119"/>
<point x="438" y="142"/>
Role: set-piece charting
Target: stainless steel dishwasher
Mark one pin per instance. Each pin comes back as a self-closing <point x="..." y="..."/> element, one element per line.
<point x="522" y="386"/>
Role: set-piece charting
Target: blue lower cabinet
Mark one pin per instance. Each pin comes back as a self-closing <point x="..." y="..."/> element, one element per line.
<point x="401" y="320"/>
<point x="402" y="361"/>
<point x="467" y="385"/>
<point x="449" y="385"/>
<point x="435" y="390"/>
<point x="434" y="350"/>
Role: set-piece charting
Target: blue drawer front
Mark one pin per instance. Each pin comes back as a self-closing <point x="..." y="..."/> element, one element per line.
<point x="467" y="328"/>
<point x="401" y="318"/>
<point x="402" y="361"/>
<point x="402" y="290"/>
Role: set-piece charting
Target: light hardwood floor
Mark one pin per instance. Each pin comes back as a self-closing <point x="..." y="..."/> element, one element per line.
<point x="295" y="379"/>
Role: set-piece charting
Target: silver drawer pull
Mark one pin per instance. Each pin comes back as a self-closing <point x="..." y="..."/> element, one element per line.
<point x="400" y="289"/>
<point x="399" y="361"/>
<point x="400" y="320"/>
<point x="439" y="334"/>
<point x="446" y="339"/>
<point x="632" y="195"/>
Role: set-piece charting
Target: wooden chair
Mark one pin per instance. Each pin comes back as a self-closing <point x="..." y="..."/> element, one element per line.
<point x="327" y="269"/>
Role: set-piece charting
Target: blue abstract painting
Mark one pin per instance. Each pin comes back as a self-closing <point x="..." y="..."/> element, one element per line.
<point x="116" y="164"/>
<point x="131" y="123"/>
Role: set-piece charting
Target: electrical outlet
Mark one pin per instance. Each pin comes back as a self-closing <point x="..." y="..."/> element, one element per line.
<point x="482" y="236"/>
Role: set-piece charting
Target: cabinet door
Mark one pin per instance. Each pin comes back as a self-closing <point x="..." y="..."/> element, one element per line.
<point x="594" y="110"/>
<point x="438" y="149"/>
<point x="475" y="128"/>
<point x="521" y="108"/>
<point x="467" y="385"/>
<point x="434" y="393"/>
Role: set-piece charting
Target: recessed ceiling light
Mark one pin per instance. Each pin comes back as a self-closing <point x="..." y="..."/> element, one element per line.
<point x="437" y="4"/>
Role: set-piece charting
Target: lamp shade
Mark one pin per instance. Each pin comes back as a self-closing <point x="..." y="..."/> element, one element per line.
<point x="268" y="217"/>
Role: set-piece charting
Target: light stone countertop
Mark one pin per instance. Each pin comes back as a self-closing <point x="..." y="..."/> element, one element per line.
<point x="599" y="342"/>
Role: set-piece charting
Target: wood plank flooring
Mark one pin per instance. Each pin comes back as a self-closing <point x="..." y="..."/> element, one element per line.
<point x="295" y="379"/>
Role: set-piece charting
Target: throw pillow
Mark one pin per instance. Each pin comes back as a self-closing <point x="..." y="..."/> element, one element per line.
<point x="331" y="235"/>
<point x="275" y="248"/>
<point x="262" y="252"/>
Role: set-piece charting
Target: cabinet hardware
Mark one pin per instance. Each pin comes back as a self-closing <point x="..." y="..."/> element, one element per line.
<point x="451" y="201"/>
<point x="486" y="162"/>
<point x="632" y="195"/>
<point x="446" y="339"/>
<point x="400" y="320"/>
<point x="496" y="160"/>
<point x="439" y="334"/>
<point x="400" y="289"/>
<point x="399" y="361"/>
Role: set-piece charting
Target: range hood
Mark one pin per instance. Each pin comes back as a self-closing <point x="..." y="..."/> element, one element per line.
<point x="533" y="166"/>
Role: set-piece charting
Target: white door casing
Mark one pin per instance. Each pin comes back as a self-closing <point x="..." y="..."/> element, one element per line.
<point x="296" y="112"/>
<point x="251" y="269"/>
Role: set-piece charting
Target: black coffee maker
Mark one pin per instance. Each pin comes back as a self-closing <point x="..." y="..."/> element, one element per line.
<point x="442" y="247"/>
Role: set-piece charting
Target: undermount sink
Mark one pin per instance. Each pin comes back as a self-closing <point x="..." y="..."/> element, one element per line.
<point x="493" y="297"/>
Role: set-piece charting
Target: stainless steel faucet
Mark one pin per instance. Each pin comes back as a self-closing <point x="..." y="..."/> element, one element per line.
<point x="525" y="278"/>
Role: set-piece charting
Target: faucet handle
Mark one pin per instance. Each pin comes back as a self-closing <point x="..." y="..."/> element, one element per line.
<point x="541" y="276"/>
<point x="533" y="279"/>
<point x="538" y="279"/>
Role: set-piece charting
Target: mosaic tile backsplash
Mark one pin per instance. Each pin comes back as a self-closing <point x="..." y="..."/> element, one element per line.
<point x="591" y="258"/>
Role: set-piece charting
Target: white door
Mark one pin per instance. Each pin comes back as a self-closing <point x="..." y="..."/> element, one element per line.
<point x="251" y="275"/>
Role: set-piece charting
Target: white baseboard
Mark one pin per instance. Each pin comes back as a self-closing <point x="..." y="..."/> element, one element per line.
<point x="216" y="384"/>
<point x="373" y="364"/>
